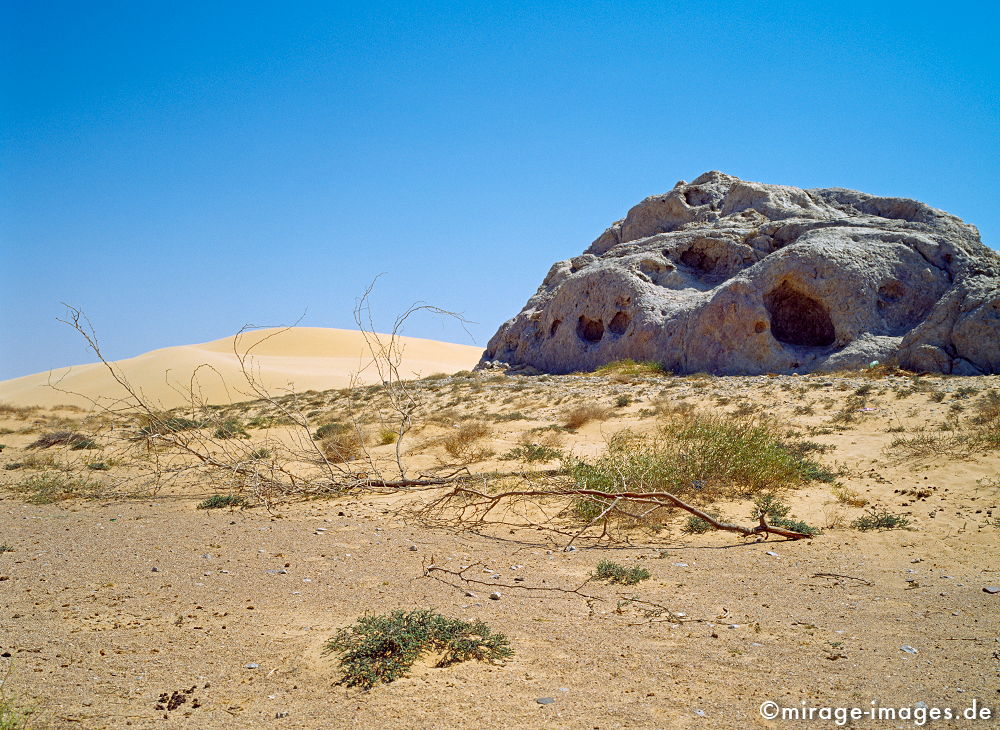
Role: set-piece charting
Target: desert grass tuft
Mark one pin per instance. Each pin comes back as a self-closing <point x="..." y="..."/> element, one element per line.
<point x="618" y="573"/>
<point x="582" y="415"/>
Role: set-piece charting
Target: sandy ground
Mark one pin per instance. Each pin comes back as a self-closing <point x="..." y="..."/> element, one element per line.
<point x="109" y="603"/>
<point x="298" y="358"/>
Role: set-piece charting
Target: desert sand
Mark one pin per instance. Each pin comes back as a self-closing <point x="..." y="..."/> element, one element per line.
<point x="299" y="358"/>
<point x="119" y="595"/>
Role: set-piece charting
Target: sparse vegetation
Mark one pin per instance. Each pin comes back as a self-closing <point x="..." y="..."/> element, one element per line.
<point x="330" y="429"/>
<point x="776" y="513"/>
<point x="848" y="496"/>
<point x="343" y="445"/>
<point x="463" y="442"/>
<point x="220" y="501"/>
<point x="697" y="456"/>
<point x="879" y="518"/>
<point x="161" y="425"/>
<point x="231" y="428"/>
<point x="530" y="453"/>
<point x="618" y="573"/>
<point x="49" y="487"/>
<point x="582" y="415"/>
<point x="380" y="649"/>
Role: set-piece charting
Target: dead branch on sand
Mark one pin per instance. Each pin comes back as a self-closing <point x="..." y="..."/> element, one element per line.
<point x="474" y="508"/>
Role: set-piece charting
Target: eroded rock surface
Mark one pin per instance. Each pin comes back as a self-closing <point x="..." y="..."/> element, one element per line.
<point x="732" y="277"/>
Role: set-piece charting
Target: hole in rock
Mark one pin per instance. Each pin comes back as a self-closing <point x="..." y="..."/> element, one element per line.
<point x="590" y="330"/>
<point x="797" y="318"/>
<point x="698" y="260"/>
<point x="619" y="323"/>
<point x="759" y="327"/>
<point x="554" y="327"/>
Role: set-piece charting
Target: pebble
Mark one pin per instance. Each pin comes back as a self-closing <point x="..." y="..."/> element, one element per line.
<point x="413" y="548"/>
<point x="908" y="649"/>
<point x="700" y="713"/>
<point x="155" y="570"/>
<point x="471" y="594"/>
<point x="771" y="553"/>
<point x="922" y="705"/>
<point x="251" y="665"/>
<point x="992" y="590"/>
<point x="569" y="549"/>
<point x="680" y="565"/>
<point x="545" y="700"/>
<point x="496" y="596"/>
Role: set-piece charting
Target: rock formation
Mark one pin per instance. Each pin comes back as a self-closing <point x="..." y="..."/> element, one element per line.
<point x="731" y="277"/>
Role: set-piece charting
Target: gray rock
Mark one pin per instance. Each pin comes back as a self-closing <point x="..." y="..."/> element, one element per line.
<point x="992" y="589"/>
<point x="908" y="649"/>
<point x="545" y="700"/>
<point x="496" y="596"/>
<point x="732" y="277"/>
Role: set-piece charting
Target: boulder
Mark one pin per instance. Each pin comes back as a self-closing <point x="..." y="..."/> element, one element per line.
<point x="731" y="277"/>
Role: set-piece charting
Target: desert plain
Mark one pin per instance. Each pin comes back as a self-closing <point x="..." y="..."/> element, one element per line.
<point x="126" y="601"/>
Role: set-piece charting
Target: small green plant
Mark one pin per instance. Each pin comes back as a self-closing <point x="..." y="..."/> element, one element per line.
<point x="879" y="518"/>
<point x="380" y="649"/>
<point x="261" y="453"/>
<point x="218" y="501"/>
<point x="98" y="466"/>
<point x="776" y="513"/>
<point x="387" y="436"/>
<point x="231" y="428"/>
<point x="162" y="425"/>
<point x="618" y="573"/>
<point x="696" y="525"/>
<point x="333" y="428"/>
<point x="5" y="548"/>
<point x="622" y="401"/>
<point x="530" y="453"/>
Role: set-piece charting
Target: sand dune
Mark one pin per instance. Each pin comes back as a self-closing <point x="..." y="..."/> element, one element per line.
<point x="303" y="358"/>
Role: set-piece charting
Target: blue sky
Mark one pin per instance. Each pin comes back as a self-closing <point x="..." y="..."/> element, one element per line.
<point x="180" y="169"/>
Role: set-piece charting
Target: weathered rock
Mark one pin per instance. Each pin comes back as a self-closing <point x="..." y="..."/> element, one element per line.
<point x="733" y="277"/>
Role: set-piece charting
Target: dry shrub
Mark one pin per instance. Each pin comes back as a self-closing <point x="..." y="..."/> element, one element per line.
<point x="463" y="443"/>
<point x="8" y="409"/>
<point x="582" y="415"/>
<point x="848" y="496"/>
<point x="346" y="445"/>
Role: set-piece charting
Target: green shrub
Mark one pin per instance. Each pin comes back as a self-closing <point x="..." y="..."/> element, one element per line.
<point x="622" y="401"/>
<point x="231" y="428"/>
<point x="382" y="648"/>
<point x="218" y="501"/>
<point x="879" y="518"/>
<point x="334" y="428"/>
<point x="531" y="453"/>
<point x="776" y="513"/>
<point x="5" y="548"/>
<point x="697" y="526"/>
<point x="387" y="436"/>
<point x="618" y="573"/>
<point x="695" y="456"/>
<point x="98" y="466"/>
<point x="261" y="453"/>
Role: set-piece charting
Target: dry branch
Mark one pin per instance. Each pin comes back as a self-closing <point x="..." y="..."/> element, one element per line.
<point x="475" y="508"/>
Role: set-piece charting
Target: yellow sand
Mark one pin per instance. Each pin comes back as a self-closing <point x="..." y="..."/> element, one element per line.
<point x="299" y="358"/>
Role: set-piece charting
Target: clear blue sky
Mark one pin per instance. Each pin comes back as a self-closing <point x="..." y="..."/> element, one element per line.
<point x="180" y="169"/>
